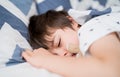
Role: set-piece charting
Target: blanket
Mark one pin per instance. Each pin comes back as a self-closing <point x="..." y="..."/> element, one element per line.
<point x="83" y="16"/>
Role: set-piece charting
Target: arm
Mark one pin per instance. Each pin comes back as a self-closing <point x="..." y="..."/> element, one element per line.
<point x="103" y="61"/>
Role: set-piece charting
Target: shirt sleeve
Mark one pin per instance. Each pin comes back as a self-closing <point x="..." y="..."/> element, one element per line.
<point x="96" y="28"/>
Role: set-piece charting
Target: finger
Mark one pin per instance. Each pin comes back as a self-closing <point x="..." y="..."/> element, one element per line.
<point x="29" y="52"/>
<point x="26" y="56"/>
<point x="35" y="50"/>
<point x="42" y="49"/>
<point x="38" y="50"/>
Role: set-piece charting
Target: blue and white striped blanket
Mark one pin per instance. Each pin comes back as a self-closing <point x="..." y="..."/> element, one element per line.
<point x="83" y="16"/>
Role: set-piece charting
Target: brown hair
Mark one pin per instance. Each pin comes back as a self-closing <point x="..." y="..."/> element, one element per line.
<point x="39" y="24"/>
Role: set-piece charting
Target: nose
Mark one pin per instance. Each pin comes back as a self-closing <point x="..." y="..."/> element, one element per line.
<point x="65" y="53"/>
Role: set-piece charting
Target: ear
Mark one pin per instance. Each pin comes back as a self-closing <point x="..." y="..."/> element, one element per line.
<point x="70" y="18"/>
<point x="74" y="23"/>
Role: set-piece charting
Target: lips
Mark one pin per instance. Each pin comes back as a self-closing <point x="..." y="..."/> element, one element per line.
<point x="73" y="54"/>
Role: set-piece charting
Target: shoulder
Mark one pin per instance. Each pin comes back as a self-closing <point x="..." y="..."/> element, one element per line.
<point x="96" y="29"/>
<point x="106" y="47"/>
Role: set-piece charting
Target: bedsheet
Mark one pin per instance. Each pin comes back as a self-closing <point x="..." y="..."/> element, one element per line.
<point x="25" y="70"/>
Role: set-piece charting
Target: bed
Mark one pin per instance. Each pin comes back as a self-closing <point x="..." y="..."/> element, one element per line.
<point x="14" y="20"/>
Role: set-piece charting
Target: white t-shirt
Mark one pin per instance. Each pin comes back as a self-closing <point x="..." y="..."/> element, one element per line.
<point x="97" y="28"/>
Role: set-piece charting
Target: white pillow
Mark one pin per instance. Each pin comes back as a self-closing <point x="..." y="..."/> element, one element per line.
<point x="12" y="43"/>
<point x="80" y="16"/>
<point x="14" y="19"/>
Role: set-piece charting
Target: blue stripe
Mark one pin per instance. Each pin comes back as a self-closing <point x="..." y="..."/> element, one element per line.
<point x="95" y="12"/>
<point x="23" y="5"/>
<point x="16" y="57"/>
<point x="52" y="4"/>
<point x="16" y="23"/>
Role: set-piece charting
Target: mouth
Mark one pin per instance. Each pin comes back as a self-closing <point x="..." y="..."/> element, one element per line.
<point x="73" y="54"/>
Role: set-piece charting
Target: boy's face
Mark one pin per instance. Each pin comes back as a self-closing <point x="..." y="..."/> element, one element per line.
<point x="61" y="39"/>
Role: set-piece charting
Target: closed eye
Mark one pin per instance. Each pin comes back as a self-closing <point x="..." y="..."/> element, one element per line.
<point x="59" y="43"/>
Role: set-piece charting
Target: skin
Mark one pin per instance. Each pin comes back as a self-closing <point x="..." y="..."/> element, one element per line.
<point x="103" y="60"/>
<point x="60" y="41"/>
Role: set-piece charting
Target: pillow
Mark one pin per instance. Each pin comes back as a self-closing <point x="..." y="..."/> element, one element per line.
<point x="13" y="12"/>
<point x="14" y="19"/>
<point x="12" y="44"/>
<point x="45" y="5"/>
<point x="27" y="7"/>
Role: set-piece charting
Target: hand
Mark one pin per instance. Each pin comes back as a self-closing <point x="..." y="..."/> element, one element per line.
<point x="36" y="57"/>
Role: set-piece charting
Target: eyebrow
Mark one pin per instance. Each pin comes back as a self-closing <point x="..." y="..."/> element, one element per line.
<point x="56" y="40"/>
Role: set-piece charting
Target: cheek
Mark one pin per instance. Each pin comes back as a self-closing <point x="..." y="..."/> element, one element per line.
<point x="69" y="39"/>
<point x="58" y="51"/>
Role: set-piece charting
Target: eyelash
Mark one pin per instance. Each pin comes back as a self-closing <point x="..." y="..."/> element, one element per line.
<point x="59" y="43"/>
